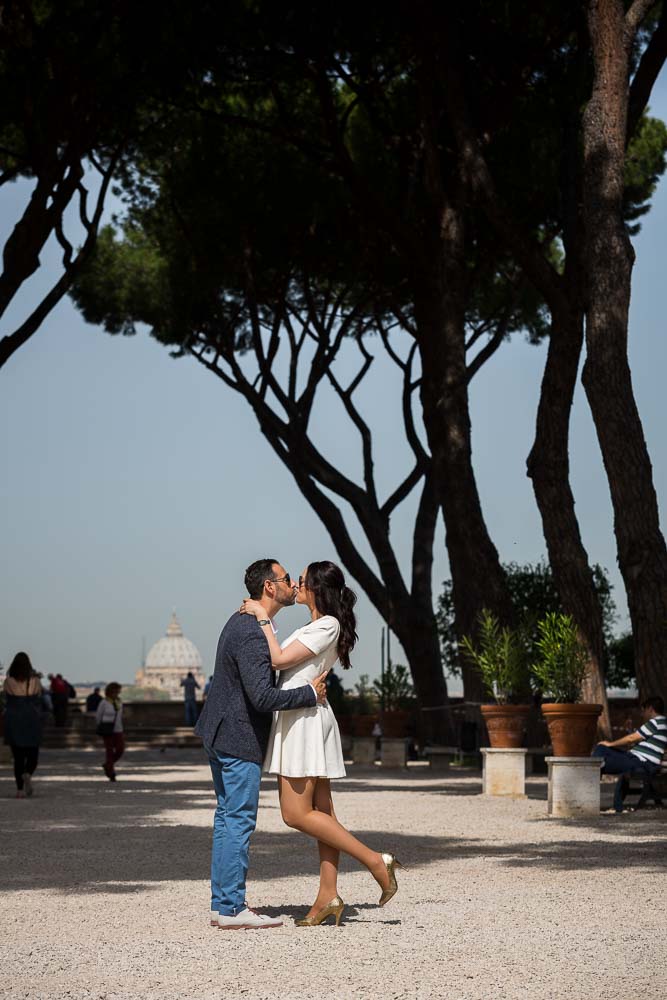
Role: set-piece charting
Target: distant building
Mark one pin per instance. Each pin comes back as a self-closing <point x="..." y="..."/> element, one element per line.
<point x="168" y="662"/>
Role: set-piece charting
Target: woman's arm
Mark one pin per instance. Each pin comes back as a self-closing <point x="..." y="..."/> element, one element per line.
<point x="281" y="659"/>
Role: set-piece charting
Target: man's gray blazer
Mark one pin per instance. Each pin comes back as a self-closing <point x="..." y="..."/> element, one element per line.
<point x="236" y="717"/>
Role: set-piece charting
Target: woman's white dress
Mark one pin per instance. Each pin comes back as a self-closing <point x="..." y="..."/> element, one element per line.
<point x="305" y="742"/>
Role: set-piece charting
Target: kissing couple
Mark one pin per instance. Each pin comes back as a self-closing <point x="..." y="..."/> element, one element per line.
<point x="249" y="719"/>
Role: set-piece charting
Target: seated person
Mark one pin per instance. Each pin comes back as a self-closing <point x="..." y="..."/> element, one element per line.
<point x="641" y="751"/>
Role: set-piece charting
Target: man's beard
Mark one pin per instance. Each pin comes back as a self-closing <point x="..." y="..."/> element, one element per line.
<point x="286" y="602"/>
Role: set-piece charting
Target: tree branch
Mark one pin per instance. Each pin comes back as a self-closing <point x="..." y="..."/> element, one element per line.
<point x="402" y="491"/>
<point x="422" y="543"/>
<point x="9" y="175"/>
<point x="11" y="343"/>
<point x="68" y="249"/>
<point x="636" y="14"/>
<point x="409" y="387"/>
<point x="650" y="64"/>
<point x="487" y="351"/>
<point x="296" y="453"/>
<point x="345" y="396"/>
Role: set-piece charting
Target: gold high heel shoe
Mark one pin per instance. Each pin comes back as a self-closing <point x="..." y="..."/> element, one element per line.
<point x="391" y="864"/>
<point x="333" y="909"/>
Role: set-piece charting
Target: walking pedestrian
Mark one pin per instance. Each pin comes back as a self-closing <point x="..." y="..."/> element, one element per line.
<point x="109" y="720"/>
<point x="59" y="697"/>
<point x="23" y="721"/>
<point x="190" y="693"/>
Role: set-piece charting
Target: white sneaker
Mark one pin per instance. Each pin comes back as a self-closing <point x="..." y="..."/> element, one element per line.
<point x="247" y="920"/>
<point x="27" y="784"/>
<point x="214" y="918"/>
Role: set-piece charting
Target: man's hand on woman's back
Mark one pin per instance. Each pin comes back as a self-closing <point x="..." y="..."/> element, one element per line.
<point x="320" y="685"/>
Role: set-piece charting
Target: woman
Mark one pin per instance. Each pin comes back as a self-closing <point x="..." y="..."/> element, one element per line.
<point x="304" y="746"/>
<point x="109" y="721"/>
<point x="23" y="721"/>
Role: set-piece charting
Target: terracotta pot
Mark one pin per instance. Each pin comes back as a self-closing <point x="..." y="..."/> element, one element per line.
<point x="506" y="725"/>
<point x="363" y="724"/>
<point x="572" y="728"/>
<point x="395" y="722"/>
<point x="345" y="724"/>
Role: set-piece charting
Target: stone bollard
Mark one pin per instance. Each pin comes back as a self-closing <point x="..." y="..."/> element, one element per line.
<point x="363" y="750"/>
<point x="504" y="772"/>
<point x="394" y="752"/>
<point x="574" y="786"/>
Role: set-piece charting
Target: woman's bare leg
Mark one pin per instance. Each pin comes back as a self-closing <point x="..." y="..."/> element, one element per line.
<point x="297" y="806"/>
<point x="329" y="856"/>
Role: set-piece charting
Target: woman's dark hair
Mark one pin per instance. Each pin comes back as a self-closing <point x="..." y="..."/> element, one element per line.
<point x="112" y="690"/>
<point x="21" y="668"/>
<point x="332" y="597"/>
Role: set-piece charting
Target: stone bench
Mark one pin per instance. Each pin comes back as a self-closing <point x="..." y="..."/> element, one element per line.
<point x="646" y="786"/>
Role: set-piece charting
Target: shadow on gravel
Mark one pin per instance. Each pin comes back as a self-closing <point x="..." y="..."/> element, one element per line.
<point x="468" y="785"/>
<point x="353" y="914"/>
<point x="88" y="835"/>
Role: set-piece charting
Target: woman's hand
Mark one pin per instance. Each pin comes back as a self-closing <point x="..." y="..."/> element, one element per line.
<point x="250" y="607"/>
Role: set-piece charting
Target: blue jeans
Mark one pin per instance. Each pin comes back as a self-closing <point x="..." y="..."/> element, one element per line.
<point x="621" y="762"/>
<point x="191" y="713"/>
<point x="237" y="788"/>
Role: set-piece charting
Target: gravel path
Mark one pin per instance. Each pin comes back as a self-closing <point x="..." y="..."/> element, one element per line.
<point x="105" y="893"/>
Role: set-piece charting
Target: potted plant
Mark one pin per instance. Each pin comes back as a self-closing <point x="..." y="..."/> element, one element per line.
<point x="559" y="671"/>
<point x="396" y="695"/>
<point x="365" y="708"/>
<point x="500" y="656"/>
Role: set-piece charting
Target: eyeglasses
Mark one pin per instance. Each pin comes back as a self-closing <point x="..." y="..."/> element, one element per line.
<point x="282" y="579"/>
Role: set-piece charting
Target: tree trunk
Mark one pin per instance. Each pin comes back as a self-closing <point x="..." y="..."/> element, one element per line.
<point x="478" y="579"/>
<point x="417" y="632"/>
<point x="549" y="468"/>
<point x="609" y="257"/>
<point x="408" y="612"/>
<point x="422" y="642"/>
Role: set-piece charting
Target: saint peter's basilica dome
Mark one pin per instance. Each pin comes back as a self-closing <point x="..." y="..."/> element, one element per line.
<point x="169" y="660"/>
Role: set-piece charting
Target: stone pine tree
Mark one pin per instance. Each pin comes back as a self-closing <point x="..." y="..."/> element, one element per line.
<point x="528" y="79"/>
<point x="619" y="92"/>
<point x="363" y="99"/>
<point x="80" y="82"/>
<point x="267" y="289"/>
<point x="355" y="90"/>
<point x="561" y="280"/>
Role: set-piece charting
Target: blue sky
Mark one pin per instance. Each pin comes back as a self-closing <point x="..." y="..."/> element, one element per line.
<point x="133" y="483"/>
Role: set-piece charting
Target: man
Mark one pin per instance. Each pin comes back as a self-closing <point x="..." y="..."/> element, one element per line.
<point x="93" y="700"/>
<point x="234" y="726"/>
<point x="191" y="687"/>
<point x="59" y="697"/>
<point x="641" y="751"/>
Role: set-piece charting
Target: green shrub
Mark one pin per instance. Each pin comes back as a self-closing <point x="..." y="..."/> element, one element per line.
<point x="395" y="690"/>
<point x="500" y="656"/>
<point x="560" y="667"/>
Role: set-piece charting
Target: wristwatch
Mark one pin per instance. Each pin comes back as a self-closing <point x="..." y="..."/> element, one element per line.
<point x="263" y="621"/>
